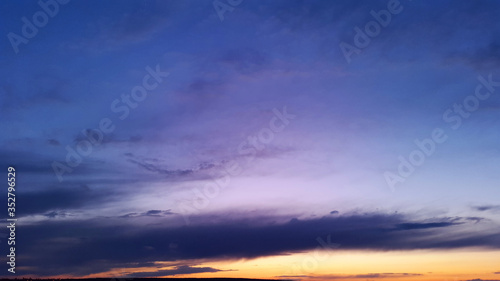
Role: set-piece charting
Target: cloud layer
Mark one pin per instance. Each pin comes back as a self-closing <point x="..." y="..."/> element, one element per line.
<point x="108" y="242"/>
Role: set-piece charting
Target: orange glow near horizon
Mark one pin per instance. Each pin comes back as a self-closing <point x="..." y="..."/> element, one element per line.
<point x="422" y="265"/>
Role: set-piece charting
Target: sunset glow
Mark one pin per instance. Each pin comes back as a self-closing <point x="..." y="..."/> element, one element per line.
<point x="281" y="139"/>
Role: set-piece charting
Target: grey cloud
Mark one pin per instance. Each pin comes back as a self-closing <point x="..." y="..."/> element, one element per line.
<point x="51" y="201"/>
<point x="150" y="213"/>
<point x="53" y="142"/>
<point x="185" y="269"/>
<point x="478" y="279"/>
<point x="161" y="170"/>
<point x="97" y="247"/>
<point x="483" y="208"/>
<point x="57" y="214"/>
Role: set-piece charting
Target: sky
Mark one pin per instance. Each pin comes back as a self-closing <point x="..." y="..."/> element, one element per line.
<point x="284" y="139"/>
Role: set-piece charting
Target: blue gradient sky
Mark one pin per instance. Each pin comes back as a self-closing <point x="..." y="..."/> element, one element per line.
<point x="164" y="168"/>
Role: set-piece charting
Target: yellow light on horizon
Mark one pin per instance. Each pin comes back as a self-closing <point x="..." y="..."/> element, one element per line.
<point x="452" y="265"/>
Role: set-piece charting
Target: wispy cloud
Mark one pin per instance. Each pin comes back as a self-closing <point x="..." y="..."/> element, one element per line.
<point x="150" y="213"/>
<point x="179" y="270"/>
<point x="483" y="208"/>
<point x="478" y="279"/>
